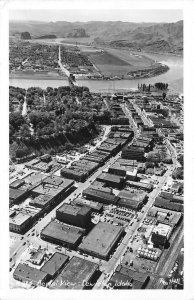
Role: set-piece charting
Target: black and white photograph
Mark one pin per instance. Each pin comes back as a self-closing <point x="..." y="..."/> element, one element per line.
<point x="96" y="150"/>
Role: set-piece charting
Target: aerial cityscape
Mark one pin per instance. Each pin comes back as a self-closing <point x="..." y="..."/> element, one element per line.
<point x="96" y="154"/>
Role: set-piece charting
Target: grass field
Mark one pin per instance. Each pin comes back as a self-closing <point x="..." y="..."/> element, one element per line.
<point x="115" y="62"/>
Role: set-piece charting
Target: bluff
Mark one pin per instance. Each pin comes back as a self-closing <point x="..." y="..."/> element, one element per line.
<point x="25" y="36"/>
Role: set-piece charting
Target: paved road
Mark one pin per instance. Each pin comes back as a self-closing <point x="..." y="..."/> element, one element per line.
<point x="63" y="69"/>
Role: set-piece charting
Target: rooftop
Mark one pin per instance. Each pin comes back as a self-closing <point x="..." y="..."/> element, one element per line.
<point x="73" y="209"/>
<point x="138" y="196"/>
<point x="162" y="229"/>
<point x="53" y="185"/>
<point x="14" y="193"/>
<point x="101" y="238"/>
<point x="29" y="274"/>
<point x="19" y="218"/>
<point x="62" y="232"/>
<point x="54" y="263"/>
<point x="75" y="273"/>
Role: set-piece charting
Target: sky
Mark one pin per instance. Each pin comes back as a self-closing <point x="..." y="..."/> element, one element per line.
<point x="83" y="15"/>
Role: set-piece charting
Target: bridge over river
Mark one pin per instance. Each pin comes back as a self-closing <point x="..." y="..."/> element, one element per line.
<point x="70" y="76"/>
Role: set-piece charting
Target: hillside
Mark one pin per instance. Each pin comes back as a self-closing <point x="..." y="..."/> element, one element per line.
<point x="157" y="37"/>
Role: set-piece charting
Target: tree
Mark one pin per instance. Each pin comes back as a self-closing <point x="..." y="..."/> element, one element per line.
<point x="16" y="120"/>
<point x="164" y="96"/>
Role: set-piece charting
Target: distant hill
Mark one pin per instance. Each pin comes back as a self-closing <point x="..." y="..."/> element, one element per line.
<point x="78" y="33"/>
<point x="25" y="36"/>
<point x="165" y="37"/>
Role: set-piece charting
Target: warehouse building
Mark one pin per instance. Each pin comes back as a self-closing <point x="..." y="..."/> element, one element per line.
<point x="63" y="234"/>
<point x="111" y="180"/>
<point x="77" y="274"/>
<point x="54" y="265"/>
<point x="95" y="206"/>
<point x="74" y="215"/>
<point x="99" y="196"/>
<point x="101" y="240"/>
<point x="125" y="278"/>
<point x="29" y="275"/>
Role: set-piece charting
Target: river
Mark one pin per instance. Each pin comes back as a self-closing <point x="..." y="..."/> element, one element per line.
<point x="174" y="77"/>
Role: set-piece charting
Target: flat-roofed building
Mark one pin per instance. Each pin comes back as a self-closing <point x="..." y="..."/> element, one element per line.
<point x="19" y="222"/>
<point x="111" y="180"/>
<point x="29" y="275"/>
<point x="54" y="265"/>
<point x="133" y="200"/>
<point x="125" y="278"/>
<point x="63" y="234"/>
<point x="74" y="215"/>
<point x="17" y="184"/>
<point x="140" y="185"/>
<point x="16" y="195"/>
<point x="41" y="201"/>
<point x="101" y="240"/>
<point x="165" y="216"/>
<point x="95" y="206"/>
<point x="52" y="186"/>
<point x="99" y="196"/>
<point x="77" y="274"/>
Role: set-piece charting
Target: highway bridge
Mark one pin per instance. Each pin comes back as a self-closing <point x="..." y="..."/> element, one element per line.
<point x="70" y="76"/>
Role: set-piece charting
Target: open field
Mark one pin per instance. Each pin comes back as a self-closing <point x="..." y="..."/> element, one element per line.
<point x="134" y="59"/>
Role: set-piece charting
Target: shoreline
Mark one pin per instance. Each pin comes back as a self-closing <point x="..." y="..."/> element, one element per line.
<point x="49" y="77"/>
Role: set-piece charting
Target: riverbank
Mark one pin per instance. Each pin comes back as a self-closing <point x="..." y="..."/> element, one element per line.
<point x="156" y="71"/>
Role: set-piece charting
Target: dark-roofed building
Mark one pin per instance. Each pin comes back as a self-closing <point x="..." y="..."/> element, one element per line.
<point x="111" y="180"/>
<point x="101" y="240"/>
<point x="133" y="153"/>
<point x="169" y="201"/>
<point x="63" y="234"/>
<point x="125" y="278"/>
<point x="76" y="274"/>
<point x="74" y="215"/>
<point x="30" y="275"/>
<point x="99" y="196"/>
<point x="54" y="265"/>
<point x="16" y="195"/>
